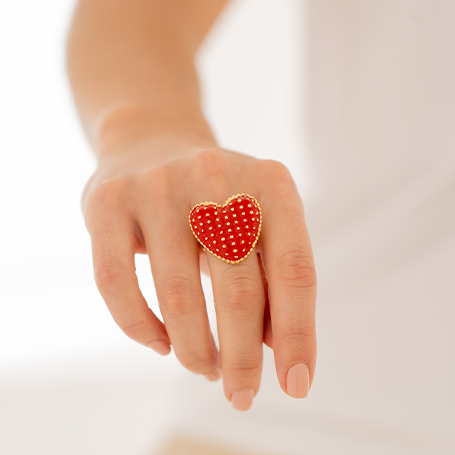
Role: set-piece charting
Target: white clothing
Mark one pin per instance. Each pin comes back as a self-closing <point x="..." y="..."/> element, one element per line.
<point x="381" y="218"/>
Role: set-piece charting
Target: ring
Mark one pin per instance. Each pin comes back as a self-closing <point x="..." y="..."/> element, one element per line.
<point x="229" y="231"/>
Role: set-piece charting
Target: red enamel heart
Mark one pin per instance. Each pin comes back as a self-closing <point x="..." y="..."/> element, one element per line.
<point x="230" y="231"/>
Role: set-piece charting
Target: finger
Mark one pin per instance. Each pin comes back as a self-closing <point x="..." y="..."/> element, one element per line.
<point x="174" y="259"/>
<point x="113" y="247"/>
<point x="239" y="303"/>
<point x="291" y="276"/>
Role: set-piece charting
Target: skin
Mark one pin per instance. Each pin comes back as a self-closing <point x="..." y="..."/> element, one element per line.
<point x="131" y="67"/>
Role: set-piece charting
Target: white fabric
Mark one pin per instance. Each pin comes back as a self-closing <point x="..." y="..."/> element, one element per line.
<point x="381" y="215"/>
<point x="382" y="129"/>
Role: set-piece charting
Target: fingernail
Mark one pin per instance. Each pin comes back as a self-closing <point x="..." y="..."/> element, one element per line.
<point x="161" y="347"/>
<point x="242" y="400"/>
<point x="214" y="376"/>
<point x="298" y="381"/>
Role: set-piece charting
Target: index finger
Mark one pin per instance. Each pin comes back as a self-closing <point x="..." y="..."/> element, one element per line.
<point x="289" y="265"/>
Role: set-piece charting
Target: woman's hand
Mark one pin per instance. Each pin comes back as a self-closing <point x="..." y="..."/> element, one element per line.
<point x="135" y="84"/>
<point x="138" y="201"/>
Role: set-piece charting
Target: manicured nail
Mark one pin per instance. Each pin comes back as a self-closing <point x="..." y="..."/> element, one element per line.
<point x="161" y="347"/>
<point x="298" y="381"/>
<point x="242" y="400"/>
<point x="214" y="376"/>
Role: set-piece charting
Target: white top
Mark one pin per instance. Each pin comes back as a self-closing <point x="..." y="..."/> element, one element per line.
<point x="381" y="216"/>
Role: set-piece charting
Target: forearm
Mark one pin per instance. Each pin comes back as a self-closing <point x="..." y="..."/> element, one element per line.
<point x="131" y="67"/>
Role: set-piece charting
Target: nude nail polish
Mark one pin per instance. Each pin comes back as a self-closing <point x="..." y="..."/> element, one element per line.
<point x="161" y="347"/>
<point x="298" y="381"/>
<point x="242" y="400"/>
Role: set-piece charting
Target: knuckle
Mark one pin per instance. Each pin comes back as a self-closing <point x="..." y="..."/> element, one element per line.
<point x="105" y="195"/>
<point x="211" y="158"/>
<point x="240" y="370"/>
<point x="110" y="273"/>
<point x="295" y="268"/>
<point x="278" y="171"/>
<point x="156" y="181"/>
<point x="198" y="364"/>
<point x="107" y="192"/>
<point x="180" y="295"/>
<point x="212" y="165"/>
<point x="300" y="335"/>
<point x="133" y="329"/>
<point x="241" y="292"/>
<point x="301" y="340"/>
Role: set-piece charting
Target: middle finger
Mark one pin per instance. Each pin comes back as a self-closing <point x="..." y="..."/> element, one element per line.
<point x="239" y="297"/>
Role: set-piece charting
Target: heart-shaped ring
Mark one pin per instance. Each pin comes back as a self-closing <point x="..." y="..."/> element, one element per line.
<point x="230" y="231"/>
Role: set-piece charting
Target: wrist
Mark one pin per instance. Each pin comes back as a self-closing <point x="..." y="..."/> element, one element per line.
<point x="130" y="126"/>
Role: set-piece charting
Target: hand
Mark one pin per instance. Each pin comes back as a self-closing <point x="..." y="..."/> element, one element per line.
<point x="139" y="201"/>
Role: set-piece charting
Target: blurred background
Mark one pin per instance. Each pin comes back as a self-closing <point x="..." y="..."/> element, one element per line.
<point x="379" y="196"/>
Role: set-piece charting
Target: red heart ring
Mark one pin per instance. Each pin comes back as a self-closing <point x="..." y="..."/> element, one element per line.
<point x="230" y="231"/>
